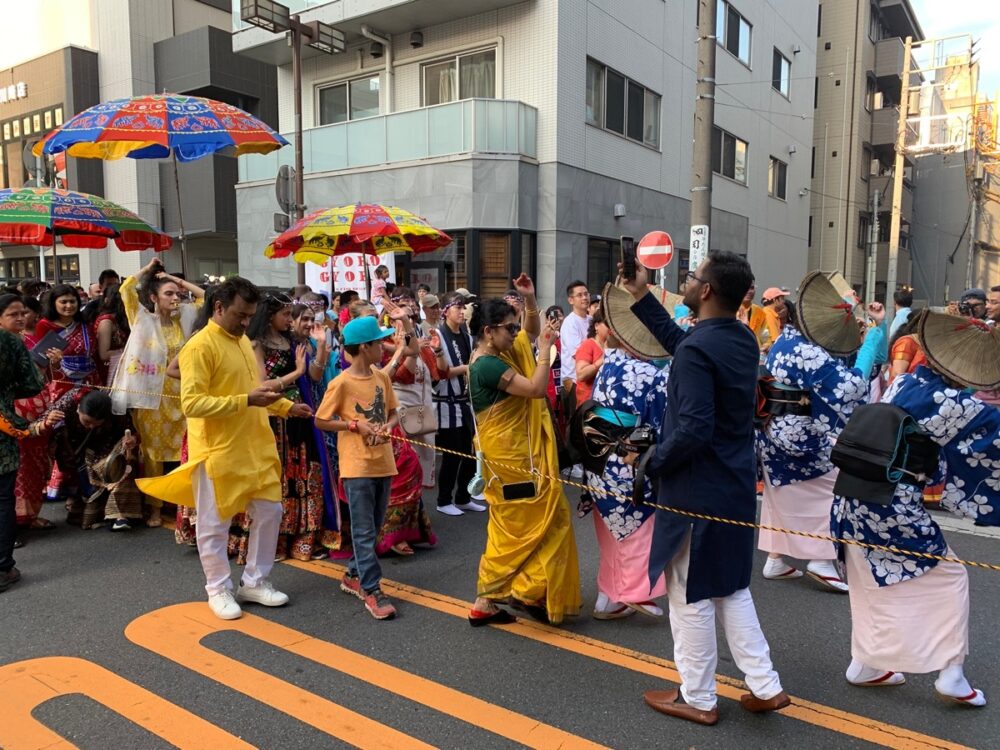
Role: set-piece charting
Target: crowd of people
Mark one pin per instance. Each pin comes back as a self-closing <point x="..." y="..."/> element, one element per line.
<point x="309" y="426"/>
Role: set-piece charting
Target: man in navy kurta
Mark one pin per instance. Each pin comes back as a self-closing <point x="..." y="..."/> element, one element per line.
<point x="704" y="462"/>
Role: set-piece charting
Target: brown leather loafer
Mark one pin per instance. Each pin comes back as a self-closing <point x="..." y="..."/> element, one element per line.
<point x="671" y="702"/>
<point x="756" y="705"/>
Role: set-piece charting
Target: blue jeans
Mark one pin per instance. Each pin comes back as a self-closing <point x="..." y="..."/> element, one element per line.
<point x="8" y="520"/>
<point x="367" y="498"/>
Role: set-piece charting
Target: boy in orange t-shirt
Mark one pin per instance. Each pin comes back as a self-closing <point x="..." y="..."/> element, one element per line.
<point x="360" y="406"/>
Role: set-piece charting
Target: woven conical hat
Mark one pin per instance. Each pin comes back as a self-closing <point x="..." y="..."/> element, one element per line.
<point x="964" y="350"/>
<point x="634" y="337"/>
<point x="825" y="318"/>
<point x="844" y="289"/>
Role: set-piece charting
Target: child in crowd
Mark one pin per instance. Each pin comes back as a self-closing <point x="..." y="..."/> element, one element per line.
<point x="360" y="406"/>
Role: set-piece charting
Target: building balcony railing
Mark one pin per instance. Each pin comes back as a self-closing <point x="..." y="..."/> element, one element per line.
<point x="470" y="126"/>
<point x="885" y="122"/>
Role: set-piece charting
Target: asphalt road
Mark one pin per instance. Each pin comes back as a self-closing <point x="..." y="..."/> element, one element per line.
<point x="322" y="673"/>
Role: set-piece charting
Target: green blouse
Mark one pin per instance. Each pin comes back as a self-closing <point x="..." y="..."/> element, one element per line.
<point x="484" y="380"/>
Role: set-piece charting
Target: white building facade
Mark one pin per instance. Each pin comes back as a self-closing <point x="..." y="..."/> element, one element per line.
<point x="538" y="132"/>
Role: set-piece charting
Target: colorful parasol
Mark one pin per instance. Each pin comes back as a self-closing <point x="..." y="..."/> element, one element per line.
<point x="359" y="228"/>
<point x="37" y="216"/>
<point x="160" y="125"/>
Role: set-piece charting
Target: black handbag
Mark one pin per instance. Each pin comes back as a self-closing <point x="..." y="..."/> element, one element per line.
<point x="881" y="446"/>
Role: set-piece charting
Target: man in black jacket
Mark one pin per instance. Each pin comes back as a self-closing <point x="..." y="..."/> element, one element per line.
<point x="704" y="463"/>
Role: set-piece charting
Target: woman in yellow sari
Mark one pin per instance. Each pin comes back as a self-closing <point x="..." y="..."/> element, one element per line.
<point x="530" y="560"/>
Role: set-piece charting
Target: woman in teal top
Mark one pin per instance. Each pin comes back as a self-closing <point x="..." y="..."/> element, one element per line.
<point x="530" y="559"/>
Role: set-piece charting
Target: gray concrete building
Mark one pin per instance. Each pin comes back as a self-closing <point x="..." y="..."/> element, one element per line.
<point x="857" y="92"/>
<point x="537" y="132"/>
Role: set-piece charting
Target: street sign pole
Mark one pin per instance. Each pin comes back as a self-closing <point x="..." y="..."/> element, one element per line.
<point x="704" y="121"/>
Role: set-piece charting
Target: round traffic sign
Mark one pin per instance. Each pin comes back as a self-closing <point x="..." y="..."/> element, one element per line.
<point x="655" y="250"/>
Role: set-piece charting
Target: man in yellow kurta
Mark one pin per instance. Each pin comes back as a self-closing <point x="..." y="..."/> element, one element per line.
<point x="233" y="463"/>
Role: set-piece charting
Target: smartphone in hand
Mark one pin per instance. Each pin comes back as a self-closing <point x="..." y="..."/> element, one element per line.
<point x="628" y="258"/>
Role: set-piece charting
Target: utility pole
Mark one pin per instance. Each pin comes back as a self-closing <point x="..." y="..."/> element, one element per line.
<point x="873" y="231"/>
<point x="977" y="184"/>
<point x="704" y="121"/>
<point x="897" y="173"/>
<point x="299" y="187"/>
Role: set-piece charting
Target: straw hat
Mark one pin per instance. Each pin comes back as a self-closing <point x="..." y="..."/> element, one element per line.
<point x="632" y="334"/>
<point x="825" y="318"/>
<point x="962" y="349"/>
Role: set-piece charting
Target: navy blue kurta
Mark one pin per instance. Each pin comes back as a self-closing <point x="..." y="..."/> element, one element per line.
<point x="704" y="460"/>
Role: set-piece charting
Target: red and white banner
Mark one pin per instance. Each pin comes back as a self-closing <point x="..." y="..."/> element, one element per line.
<point x="346" y="272"/>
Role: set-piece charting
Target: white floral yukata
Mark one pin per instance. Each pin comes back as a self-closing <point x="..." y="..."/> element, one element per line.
<point x="968" y="431"/>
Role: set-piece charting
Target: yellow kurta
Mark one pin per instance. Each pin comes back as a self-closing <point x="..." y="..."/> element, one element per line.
<point x="530" y="548"/>
<point x="233" y="440"/>
<point x="161" y="431"/>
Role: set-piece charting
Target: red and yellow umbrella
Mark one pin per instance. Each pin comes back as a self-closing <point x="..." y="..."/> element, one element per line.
<point x="358" y="228"/>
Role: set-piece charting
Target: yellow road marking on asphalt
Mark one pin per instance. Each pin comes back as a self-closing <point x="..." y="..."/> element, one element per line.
<point x="176" y="633"/>
<point x="818" y="714"/>
<point x="25" y="685"/>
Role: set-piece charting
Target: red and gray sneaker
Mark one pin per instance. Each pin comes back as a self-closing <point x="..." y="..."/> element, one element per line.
<point x="351" y="585"/>
<point x="379" y="605"/>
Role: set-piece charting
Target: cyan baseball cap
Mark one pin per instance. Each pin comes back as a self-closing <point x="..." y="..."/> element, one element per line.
<point x="364" y="330"/>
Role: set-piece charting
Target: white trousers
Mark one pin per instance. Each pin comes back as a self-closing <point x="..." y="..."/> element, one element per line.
<point x="213" y="537"/>
<point x="696" y="650"/>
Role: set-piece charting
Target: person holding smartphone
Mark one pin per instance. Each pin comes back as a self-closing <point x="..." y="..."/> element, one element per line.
<point x="530" y="557"/>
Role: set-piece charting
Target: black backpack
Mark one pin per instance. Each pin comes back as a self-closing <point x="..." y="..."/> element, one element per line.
<point x="881" y="446"/>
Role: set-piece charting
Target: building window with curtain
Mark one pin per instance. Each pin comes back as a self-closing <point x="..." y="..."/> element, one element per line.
<point x="729" y="155"/>
<point x="781" y="74"/>
<point x="494" y="264"/>
<point x="733" y="31"/>
<point x="467" y="76"/>
<point x="351" y="100"/>
<point x="777" y="178"/>
<point x="621" y="105"/>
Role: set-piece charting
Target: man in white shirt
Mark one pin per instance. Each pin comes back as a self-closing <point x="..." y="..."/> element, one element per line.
<point x="573" y="331"/>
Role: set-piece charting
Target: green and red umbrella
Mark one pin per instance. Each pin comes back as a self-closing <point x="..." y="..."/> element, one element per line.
<point x="37" y="216"/>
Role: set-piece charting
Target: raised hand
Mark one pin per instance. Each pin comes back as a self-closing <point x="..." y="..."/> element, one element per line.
<point x="876" y="311"/>
<point x="637" y="287"/>
<point x="300" y="358"/>
<point x="524" y="285"/>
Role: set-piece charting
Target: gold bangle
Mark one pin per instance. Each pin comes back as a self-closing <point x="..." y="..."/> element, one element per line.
<point x="531" y="312"/>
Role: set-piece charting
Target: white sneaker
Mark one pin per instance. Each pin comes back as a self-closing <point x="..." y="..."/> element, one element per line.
<point x="479" y="498"/>
<point x="451" y="510"/>
<point x="776" y="569"/>
<point x="263" y="593"/>
<point x="471" y="505"/>
<point x="826" y="573"/>
<point x="224" y="606"/>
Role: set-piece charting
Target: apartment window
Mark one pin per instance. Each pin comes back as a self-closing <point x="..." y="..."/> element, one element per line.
<point x="729" y="155"/>
<point x="777" y="178"/>
<point x="621" y="105"/>
<point x="595" y="93"/>
<point x="876" y="29"/>
<point x="69" y="268"/>
<point x="470" y="76"/>
<point x="819" y="20"/>
<point x="870" y="94"/>
<point x="352" y="100"/>
<point x="864" y="229"/>
<point x="20" y="269"/>
<point x="602" y="260"/>
<point x="781" y="73"/>
<point x="866" y="163"/>
<point x="733" y="31"/>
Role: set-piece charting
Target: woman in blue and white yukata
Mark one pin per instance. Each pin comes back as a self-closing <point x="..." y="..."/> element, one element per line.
<point x="911" y="614"/>
<point x="794" y="449"/>
<point x="629" y="392"/>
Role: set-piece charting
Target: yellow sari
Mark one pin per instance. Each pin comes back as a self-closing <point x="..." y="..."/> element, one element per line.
<point x="530" y="548"/>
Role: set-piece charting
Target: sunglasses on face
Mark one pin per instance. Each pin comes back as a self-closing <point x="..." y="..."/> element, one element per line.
<point x="512" y="328"/>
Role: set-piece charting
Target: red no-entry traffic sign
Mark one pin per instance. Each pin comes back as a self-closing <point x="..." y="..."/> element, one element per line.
<point x="655" y="250"/>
